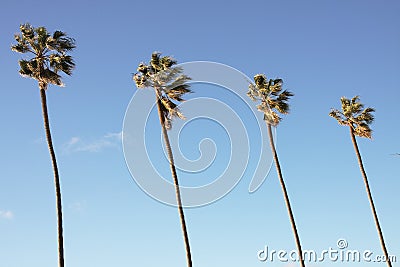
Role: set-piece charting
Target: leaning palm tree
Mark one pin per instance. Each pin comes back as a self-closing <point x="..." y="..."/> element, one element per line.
<point x="274" y="101"/>
<point x="169" y="84"/>
<point x="49" y="58"/>
<point x="358" y="119"/>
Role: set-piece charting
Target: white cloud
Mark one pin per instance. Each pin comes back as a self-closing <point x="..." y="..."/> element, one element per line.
<point x="39" y="140"/>
<point x="73" y="141"/>
<point x="117" y="136"/>
<point x="77" y="206"/>
<point x="6" y="214"/>
<point x="109" y="140"/>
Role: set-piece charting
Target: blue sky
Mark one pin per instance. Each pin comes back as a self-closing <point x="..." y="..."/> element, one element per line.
<point x="322" y="49"/>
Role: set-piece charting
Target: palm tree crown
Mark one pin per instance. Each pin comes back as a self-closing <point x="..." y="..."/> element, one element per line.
<point x="355" y="116"/>
<point x="50" y="54"/>
<point x="273" y="99"/>
<point x="168" y="81"/>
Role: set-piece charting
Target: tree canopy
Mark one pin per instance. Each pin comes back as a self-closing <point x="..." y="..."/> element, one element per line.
<point x="273" y="99"/>
<point x="49" y="54"/>
<point x="168" y="81"/>
<point x="354" y="114"/>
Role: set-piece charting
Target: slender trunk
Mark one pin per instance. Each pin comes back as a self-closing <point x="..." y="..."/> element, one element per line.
<point x="371" y="201"/>
<point x="286" y="196"/>
<point x="56" y="176"/>
<point x="176" y="183"/>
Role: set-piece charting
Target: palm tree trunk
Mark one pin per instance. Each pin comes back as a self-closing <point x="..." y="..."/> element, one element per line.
<point x="285" y="195"/>
<point x="176" y="183"/>
<point x="56" y="176"/>
<point x="371" y="201"/>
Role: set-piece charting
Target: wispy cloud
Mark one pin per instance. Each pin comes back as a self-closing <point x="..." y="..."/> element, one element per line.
<point x="109" y="140"/>
<point x="117" y="136"/>
<point x="39" y="140"/>
<point x="77" y="206"/>
<point x="6" y="214"/>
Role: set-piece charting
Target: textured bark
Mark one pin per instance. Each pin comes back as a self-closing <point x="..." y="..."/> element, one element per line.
<point x="371" y="201"/>
<point x="56" y="176"/>
<point x="285" y="195"/>
<point x="176" y="183"/>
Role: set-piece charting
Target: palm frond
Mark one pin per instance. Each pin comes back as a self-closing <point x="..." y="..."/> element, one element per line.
<point x="63" y="63"/>
<point x="355" y="99"/>
<point x="25" y="68"/>
<point x="275" y="85"/>
<point x="41" y="38"/>
<point x="58" y="34"/>
<point x="170" y="75"/>
<point x="260" y="81"/>
<point x="51" y="77"/>
<point x="263" y="107"/>
<point x="161" y="63"/>
<point x="164" y="115"/>
<point x="282" y="107"/>
<point x="272" y="117"/>
<point x="143" y="68"/>
<point x="367" y="115"/>
<point x="167" y="62"/>
<point x="178" y="91"/>
<point x="60" y="42"/>
<point x="27" y="31"/>
<point x="65" y="44"/>
<point x="336" y="114"/>
<point x="252" y="92"/>
<point x="22" y="45"/>
<point x="168" y="104"/>
<point x="141" y="81"/>
<point x="285" y="96"/>
<point x="180" y="80"/>
<point x="363" y="130"/>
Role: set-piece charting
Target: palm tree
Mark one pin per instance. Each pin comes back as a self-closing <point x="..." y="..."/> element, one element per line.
<point x="358" y="119"/>
<point x="274" y="101"/>
<point x="49" y="58"/>
<point x="169" y="85"/>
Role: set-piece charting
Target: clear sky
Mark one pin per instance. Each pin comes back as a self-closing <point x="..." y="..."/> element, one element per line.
<point x="322" y="49"/>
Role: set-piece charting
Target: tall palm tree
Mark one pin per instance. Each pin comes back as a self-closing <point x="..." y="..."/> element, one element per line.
<point x="49" y="58"/>
<point x="169" y="85"/>
<point x="358" y="119"/>
<point x="274" y="101"/>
